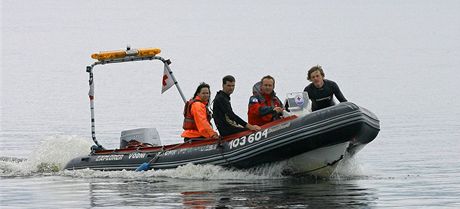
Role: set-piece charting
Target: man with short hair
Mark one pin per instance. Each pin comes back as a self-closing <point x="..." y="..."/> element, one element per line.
<point x="321" y="91"/>
<point x="226" y="120"/>
<point x="264" y="105"/>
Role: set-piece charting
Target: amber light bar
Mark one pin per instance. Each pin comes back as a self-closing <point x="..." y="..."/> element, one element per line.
<point x="118" y="54"/>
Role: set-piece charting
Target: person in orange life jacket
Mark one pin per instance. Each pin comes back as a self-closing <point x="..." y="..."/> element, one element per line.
<point x="197" y="116"/>
<point x="226" y="120"/>
<point x="264" y="105"/>
<point x="321" y="91"/>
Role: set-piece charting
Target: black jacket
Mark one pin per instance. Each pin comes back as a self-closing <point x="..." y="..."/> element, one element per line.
<point x="226" y="120"/>
<point x="322" y="97"/>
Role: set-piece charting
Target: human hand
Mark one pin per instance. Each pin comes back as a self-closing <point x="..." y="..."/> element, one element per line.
<point x="215" y="136"/>
<point x="253" y="127"/>
<point x="286" y="114"/>
<point x="278" y="109"/>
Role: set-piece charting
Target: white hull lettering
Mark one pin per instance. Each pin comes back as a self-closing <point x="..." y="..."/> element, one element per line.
<point x="251" y="138"/>
<point x="242" y="140"/>
<point x="109" y="157"/>
<point x="279" y="127"/>
<point x="136" y="155"/>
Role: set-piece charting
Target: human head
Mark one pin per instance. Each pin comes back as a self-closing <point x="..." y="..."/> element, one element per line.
<point x="267" y="84"/>
<point x="228" y="84"/>
<point x="316" y="75"/>
<point x="203" y="91"/>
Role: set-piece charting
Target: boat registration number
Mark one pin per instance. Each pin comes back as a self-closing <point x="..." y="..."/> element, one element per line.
<point x="249" y="139"/>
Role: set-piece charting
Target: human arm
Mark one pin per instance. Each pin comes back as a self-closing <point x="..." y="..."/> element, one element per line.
<point x="258" y="110"/>
<point x="200" y="117"/>
<point x="338" y="94"/>
<point x="223" y="106"/>
<point x="279" y="108"/>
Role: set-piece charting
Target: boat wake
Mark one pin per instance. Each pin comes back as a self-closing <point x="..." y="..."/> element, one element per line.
<point x="348" y="168"/>
<point x="189" y="171"/>
<point x="50" y="157"/>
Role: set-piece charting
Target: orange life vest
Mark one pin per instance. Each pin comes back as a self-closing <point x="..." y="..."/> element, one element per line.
<point x="189" y="121"/>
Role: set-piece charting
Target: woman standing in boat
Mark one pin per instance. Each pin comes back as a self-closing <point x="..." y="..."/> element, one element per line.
<point x="197" y="116"/>
<point x="321" y="91"/>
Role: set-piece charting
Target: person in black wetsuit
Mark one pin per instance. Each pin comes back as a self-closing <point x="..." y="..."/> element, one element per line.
<point x="226" y="120"/>
<point x="321" y="91"/>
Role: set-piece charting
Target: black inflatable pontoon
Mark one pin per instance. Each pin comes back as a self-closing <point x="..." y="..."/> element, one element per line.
<point x="302" y="144"/>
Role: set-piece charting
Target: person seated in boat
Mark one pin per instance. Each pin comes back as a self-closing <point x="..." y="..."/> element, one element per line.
<point x="226" y="120"/>
<point x="197" y="118"/>
<point x="264" y="105"/>
<point x="321" y="91"/>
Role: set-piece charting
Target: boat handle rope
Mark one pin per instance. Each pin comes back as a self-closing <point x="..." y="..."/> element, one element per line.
<point x="327" y="164"/>
<point x="145" y="166"/>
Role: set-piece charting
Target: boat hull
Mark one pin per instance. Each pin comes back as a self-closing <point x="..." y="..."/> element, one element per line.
<point x="304" y="144"/>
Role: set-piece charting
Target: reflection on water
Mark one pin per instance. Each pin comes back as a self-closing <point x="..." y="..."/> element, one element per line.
<point x="190" y="186"/>
<point x="404" y="73"/>
<point x="282" y="193"/>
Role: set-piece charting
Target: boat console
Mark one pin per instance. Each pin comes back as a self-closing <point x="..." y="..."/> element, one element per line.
<point x="298" y="103"/>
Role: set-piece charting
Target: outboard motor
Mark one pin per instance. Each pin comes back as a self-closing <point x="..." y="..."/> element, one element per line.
<point x="298" y="103"/>
<point x="141" y="137"/>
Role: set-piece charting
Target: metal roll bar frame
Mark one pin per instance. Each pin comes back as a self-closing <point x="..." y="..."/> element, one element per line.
<point x="90" y="68"/>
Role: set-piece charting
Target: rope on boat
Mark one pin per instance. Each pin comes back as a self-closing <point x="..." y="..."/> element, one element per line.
<point x="327" y="164"/>
<point x="146" y="166"/>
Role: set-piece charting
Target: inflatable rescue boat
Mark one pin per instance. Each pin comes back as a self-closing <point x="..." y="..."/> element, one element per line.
<point x="302" y="143"/>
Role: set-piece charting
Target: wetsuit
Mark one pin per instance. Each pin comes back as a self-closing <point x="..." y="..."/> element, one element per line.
<point x="323" y="97"/>
<point x="226" y="120"/>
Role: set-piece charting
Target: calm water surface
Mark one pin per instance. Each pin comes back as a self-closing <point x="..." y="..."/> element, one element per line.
<point x="399" y="59"/>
